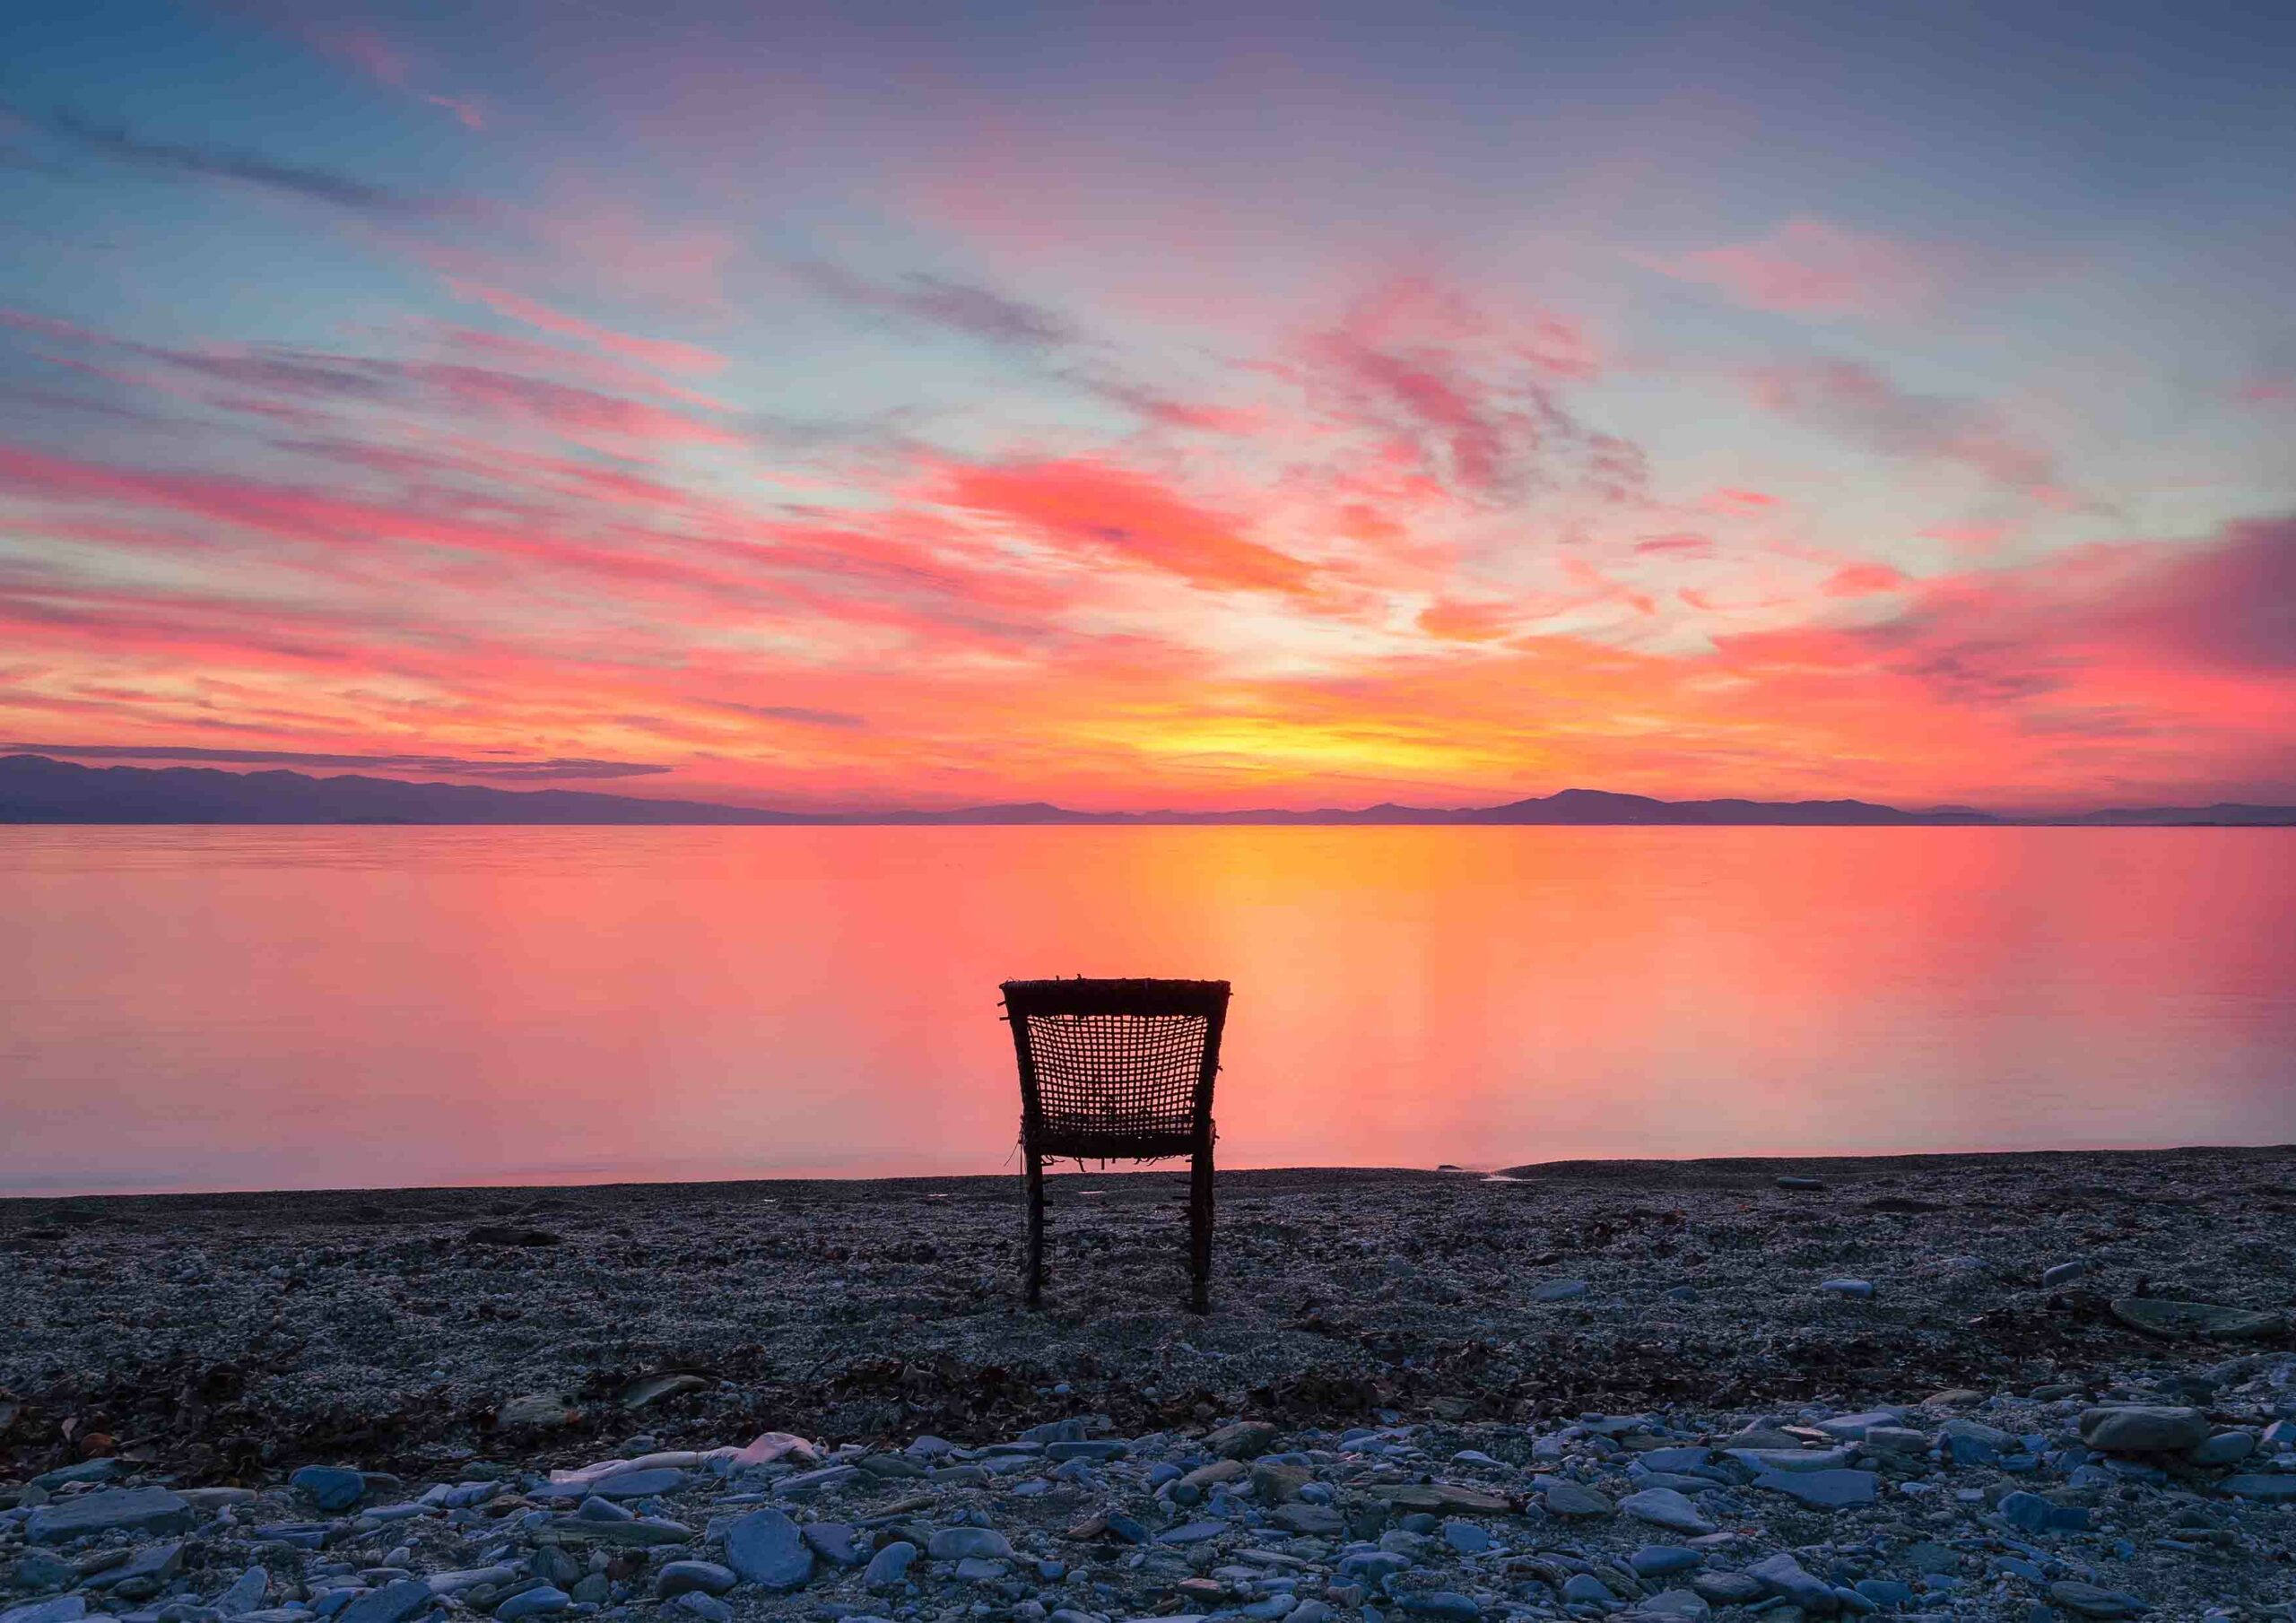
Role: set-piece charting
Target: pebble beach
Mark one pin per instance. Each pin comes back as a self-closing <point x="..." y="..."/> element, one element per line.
<point x="2008" y="1386"/>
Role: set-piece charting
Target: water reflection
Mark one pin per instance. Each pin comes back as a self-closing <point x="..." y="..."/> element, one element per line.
<point x="251" y="1008"/>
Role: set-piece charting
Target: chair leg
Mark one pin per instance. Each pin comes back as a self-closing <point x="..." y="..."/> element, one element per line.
<point x="1199" y="1219"/>
<point x="1035" y="1284"/>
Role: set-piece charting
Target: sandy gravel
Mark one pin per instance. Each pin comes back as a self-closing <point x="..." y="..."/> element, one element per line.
<point x="224" y="1334"/>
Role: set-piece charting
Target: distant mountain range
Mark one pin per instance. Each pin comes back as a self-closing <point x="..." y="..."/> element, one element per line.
<point x="38" y="789"/>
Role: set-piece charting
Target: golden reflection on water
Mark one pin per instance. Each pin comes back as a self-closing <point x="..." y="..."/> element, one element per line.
<point x="205" y="1008"/>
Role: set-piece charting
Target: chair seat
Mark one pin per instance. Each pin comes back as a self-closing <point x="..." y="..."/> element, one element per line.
<point x="1100" y="1144"/>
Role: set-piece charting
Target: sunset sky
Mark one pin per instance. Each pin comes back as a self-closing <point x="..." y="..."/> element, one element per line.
<point x="1157" y="405"/>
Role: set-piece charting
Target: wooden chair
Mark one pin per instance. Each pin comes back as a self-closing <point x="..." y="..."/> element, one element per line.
<point x="1118" y="1071"/>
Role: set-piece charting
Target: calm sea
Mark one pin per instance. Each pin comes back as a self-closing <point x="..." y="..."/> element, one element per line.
<point x="237" y="1008"/>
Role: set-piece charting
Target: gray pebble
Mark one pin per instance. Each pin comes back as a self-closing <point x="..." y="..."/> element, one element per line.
<point x="889" y="1567"/>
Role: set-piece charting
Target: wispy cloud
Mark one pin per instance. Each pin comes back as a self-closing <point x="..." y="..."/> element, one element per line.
<point x="940" y="302"/>
<point x="1475" y="394"/>
<point x="387" y="65"/>
<point x="801" y="715"/>
<point x="1853" y="402"/>
<point x="267" y="375"/>
<point x="667" y="354"/>
<point x="453" y="766"/>
<point x="114" y="141"/>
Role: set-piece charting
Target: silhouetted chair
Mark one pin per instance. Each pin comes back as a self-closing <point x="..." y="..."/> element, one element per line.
<point x="1118" y="1071"/>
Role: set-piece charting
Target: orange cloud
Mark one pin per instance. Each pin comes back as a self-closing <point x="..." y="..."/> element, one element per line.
<point x="1466" y="621"/>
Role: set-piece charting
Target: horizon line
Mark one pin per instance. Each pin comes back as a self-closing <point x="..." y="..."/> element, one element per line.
<point x="1022" y="813"/>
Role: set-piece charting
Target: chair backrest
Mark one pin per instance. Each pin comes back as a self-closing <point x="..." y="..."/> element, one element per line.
<point x="1120" y="1068"/>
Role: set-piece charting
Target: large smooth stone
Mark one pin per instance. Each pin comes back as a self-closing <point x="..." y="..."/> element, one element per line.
<point x="2144" y="1428"/>
<point x="108" y="1510"/>
<point x="157" y="1561"/>
<point x="2035" y="1514"/>
<point x="532" y="1603"/>
<point x="1790" y="1459"/>
<point x="766" y="1547"/>
<point x="833" y="1541"/>
<point x="1187" y="1532"/>
<point x="2279" y="1487"/>
<point x="681" y="1577"/>
<point x="394" y="1602"/>
<point x="250" y="1590"/>
<point x="1441" y="1498"/>
<point x="1827" y="1489"/>
<point x="2225" y="1448"/>
<point x="1686" y="1458"/>
<point x="1311" y="1521"/>
<point x="331" y="1488"/>
<point x="1663" y="1507"/>
<point x="890" y="1565"/>
<point x="2157" y="1315"/>
<point x="1782" y="1575"/>
<point x="63" y="1608"/>
<point x="638" y="1531"/>
<point x="1852" y="1427"/>
<point x="1243" y="1440"/>
<point x="966" y="1543"/>
<point x="625" y="1485"/>
<point x="2088" y="1601"/>
<point x="1564" y="1499"/>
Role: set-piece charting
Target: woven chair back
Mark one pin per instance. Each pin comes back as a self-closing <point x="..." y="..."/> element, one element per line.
<point x="1117" y="1070"/>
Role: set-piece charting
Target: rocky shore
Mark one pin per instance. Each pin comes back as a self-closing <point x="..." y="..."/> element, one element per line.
<point x="2002" y="1386"/>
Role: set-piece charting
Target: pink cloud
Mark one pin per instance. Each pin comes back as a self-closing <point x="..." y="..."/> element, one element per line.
<point x="1864" y="580"/>
<point x="296" y="514"/>
<point x="576" y="413"/>
<point x="1681" y="544"/>
<point x="590" y="369"/>
<point x="444" y="547"/>
<point x="1601" y="588"/>
<point x="1460" y="396"/>
<point x="2125" y="620"/>
<point x="667" y="354"/>
<point x="1806" y="266"/>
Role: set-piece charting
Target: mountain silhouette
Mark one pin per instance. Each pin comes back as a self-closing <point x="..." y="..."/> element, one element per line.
<point x="40" y="789"/>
